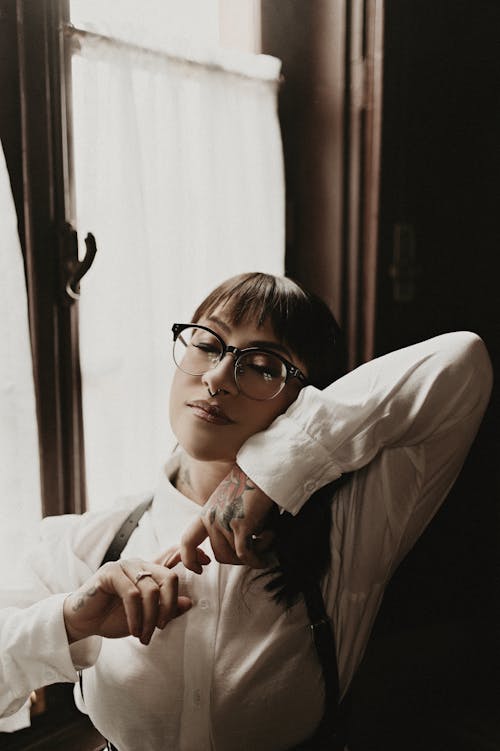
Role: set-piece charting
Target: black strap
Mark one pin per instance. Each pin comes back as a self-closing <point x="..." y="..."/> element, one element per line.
<point x="118" y="543"/>
<point x="331" y="732"/>
<point x="123" y="535"/>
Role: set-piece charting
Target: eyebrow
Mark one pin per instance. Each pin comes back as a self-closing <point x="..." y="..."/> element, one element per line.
<point x="255" y="343"/>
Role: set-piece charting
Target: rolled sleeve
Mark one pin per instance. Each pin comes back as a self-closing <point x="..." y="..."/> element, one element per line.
<point x="294" y="467"/>
<point x="434" y="390"/>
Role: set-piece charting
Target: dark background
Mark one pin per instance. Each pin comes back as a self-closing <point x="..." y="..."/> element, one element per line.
<point x="430" y="680"/>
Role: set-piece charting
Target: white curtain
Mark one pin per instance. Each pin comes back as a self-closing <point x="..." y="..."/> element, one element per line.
<point x="179" y="175"/>
<point x="20" y="502"/>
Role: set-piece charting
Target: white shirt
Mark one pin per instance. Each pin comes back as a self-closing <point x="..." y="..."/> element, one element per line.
<point x="238" y="671"/>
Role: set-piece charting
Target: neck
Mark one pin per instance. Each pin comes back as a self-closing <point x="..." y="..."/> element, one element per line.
<point x="197" y="480"/>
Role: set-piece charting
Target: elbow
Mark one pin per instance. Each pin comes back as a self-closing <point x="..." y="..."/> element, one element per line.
<point x="476" y="360"/>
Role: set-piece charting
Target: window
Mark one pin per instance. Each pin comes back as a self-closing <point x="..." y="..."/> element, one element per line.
<point x="172" y="159"/>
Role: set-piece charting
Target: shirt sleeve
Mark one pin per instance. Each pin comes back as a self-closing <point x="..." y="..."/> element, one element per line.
<point x="428" y="398"/>
<point x="34" y="649"/>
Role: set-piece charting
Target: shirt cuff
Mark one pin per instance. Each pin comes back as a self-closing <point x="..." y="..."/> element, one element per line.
<point x="37" y="652"/>
<point x="287" y="463"/>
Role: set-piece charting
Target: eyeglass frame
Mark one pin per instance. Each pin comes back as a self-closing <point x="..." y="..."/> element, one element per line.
<point x="292" y="371"/>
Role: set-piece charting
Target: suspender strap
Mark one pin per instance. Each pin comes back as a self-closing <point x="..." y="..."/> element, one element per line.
<point x="123" y="535"/>
<point x="118" y="543"/>
<point x="331" y="733"/>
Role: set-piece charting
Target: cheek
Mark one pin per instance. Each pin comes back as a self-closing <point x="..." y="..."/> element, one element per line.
<point x="270" y="410"/>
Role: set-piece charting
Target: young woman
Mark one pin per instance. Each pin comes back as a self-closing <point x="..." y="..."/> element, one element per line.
<point x="215" y="655"/>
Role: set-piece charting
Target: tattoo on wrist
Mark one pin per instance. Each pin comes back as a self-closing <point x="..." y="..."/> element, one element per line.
<point x="81" y="600"/>
<point x="228" y="502"/>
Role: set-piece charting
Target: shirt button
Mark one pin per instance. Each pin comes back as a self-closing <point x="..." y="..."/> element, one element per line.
<point x="197" y="697"/>
<point x="310" y="486"/>
<point x="204" y="604"/>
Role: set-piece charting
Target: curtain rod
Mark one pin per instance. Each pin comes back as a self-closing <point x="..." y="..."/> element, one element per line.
<point x="74" y="33"/>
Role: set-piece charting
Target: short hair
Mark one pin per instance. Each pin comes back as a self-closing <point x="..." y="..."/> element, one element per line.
<point x="300" y="319"/>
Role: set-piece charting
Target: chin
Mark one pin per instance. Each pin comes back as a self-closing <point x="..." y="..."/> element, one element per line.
<point x="207" y="451"/>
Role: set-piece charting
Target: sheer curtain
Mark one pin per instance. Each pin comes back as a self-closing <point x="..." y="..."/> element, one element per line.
<point x="20" y="505"/>
<point x="179" y="175"/>
<point x="20" y="502"/>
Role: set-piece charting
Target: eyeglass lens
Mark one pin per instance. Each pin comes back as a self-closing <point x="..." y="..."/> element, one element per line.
<point x="259" y="375"/>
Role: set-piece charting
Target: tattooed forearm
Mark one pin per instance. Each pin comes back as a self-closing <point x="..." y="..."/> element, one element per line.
<point x="228" y="501"/>
<point x="81" y="600"/>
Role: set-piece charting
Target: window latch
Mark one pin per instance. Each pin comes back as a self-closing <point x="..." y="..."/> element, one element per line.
<point x="72" y="268"/>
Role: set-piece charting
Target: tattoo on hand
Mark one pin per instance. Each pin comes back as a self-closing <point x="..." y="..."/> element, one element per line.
<point x="81" y="600"/>
<point x="228" y="503"/>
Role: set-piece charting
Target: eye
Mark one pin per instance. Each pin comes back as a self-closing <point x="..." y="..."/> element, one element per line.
<point x="206" y="343"/>
<point x="266" y="366"/>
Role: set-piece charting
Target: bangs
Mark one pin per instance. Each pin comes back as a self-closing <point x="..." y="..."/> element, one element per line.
<point x="299" y="319"/>
<point x="254" y="298"/>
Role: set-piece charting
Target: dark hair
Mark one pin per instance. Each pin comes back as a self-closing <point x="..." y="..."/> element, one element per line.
<point x="303" y="322"/>
<point x="300" y="319"/>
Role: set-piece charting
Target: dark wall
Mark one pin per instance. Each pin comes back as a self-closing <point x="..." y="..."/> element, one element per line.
<point x="432" y="671"/>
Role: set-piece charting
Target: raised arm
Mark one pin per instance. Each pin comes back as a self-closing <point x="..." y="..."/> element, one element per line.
<point x="434" y="391"/>
<point x="428" y="399"/>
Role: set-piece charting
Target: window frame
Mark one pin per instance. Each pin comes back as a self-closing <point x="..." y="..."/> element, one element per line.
<point x="50" y="249"/>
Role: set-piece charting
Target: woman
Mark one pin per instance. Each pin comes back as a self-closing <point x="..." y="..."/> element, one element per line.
<point x="223" y="660"/>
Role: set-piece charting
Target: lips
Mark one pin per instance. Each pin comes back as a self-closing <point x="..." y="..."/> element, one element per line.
<point x="209" y="412"/>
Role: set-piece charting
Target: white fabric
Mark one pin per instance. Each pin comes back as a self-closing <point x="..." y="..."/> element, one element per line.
<point x="179" y="174"/>
<point x="20" y="508"/>
<point x="237" y="671"/>
<point x="151" y="23"/>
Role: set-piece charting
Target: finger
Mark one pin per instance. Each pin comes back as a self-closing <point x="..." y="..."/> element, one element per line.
<point x="223" y="550"/>
<point x="175" y="558"/>
<point x="150" y="596"/>
<point x="166" y="555"/>
<point x="130" y="596"/>
<point x="169" y="592"/>
<point x="183" y="605"/>
<point x="190" y="540"/>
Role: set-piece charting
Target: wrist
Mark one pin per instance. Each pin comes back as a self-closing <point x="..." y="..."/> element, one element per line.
<point x="72" y="632"/>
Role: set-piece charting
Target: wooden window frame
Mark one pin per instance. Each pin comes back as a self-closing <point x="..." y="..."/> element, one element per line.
<point x="42" y="154"/>
<point x="35" y="128"/>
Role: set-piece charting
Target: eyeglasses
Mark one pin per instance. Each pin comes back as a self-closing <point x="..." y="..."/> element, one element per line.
<point x="259" y="373"/>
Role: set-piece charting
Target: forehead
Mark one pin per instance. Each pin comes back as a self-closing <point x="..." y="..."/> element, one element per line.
<point x="249" y="334"/>
<point x="227" y="328"/>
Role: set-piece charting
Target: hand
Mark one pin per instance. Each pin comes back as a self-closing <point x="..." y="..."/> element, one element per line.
<point x="234" y="518"/>
<point x="116" y="601"/>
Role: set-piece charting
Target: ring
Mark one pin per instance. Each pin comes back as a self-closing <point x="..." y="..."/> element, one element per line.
<point x="141" y="575"/>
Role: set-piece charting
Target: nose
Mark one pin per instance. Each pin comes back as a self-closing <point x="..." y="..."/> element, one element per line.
<point x="221" y="377"/>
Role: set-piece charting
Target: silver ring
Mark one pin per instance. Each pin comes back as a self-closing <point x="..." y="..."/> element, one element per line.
<point x="141" y="575"/>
